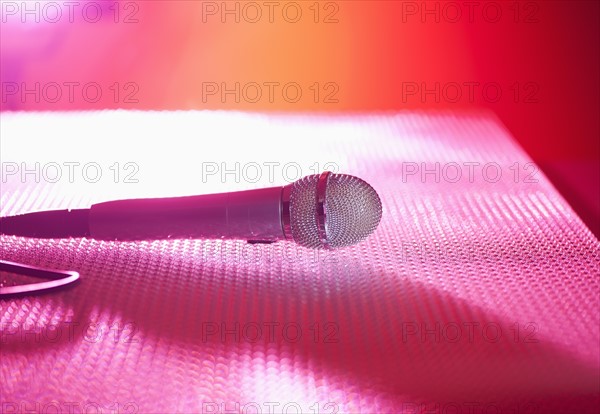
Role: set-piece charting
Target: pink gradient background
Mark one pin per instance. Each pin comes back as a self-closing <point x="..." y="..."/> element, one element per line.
<point x="544" y="268"/>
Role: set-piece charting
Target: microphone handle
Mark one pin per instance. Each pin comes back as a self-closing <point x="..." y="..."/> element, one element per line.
<point x="253" y="215"/>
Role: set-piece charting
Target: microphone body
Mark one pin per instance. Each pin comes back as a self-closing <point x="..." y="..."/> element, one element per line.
<point x="318" y="211"/>
<point x="255" y="215"/>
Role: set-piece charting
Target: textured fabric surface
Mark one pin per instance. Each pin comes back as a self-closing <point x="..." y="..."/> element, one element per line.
<point x="475" y="295"/>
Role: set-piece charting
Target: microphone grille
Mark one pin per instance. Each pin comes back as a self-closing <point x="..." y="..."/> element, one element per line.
<point x="352" y="211"/>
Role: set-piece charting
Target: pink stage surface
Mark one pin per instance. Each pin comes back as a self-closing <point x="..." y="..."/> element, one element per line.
<point x="478" y="293"/>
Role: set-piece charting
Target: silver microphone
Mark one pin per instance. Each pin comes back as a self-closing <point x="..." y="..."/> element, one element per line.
<point x="318" y="211"/>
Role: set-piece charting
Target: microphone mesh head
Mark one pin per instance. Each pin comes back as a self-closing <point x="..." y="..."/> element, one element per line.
<point x="352" y="211"/>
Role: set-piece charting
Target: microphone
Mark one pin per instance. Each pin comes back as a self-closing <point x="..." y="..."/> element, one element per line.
<point x="325" y="211"/>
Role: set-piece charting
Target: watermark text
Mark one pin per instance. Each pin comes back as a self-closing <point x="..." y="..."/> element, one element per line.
<point x="69" y="11"/>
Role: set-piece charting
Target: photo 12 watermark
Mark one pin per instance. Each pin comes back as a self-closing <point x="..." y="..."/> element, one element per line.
<point x="91" y="332"/>
<point x="468" y="332"/>
<point x="469" y="92"/>
<point x="272" y="92"/>
<point x="90" y="172"/>
<point x="68" y="407"/>
<point x="435" y="12"/>
<point x="30" y="12"/>
<point x="454" y="172"/>
<point x="417" y="251"/>
<point x="255" y="171"/>
<point x="252" y="12"/>
<point x="268" y="407"/>
<point x="258" y="254"/>
<point x="270" y="332"/>
<point x="71" y="92"/>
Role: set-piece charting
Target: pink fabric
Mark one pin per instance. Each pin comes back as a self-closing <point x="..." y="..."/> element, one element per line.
<point x="475" y="296"/>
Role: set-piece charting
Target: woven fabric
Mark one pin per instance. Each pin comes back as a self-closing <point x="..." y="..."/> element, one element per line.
<point x="474" y="295"/>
